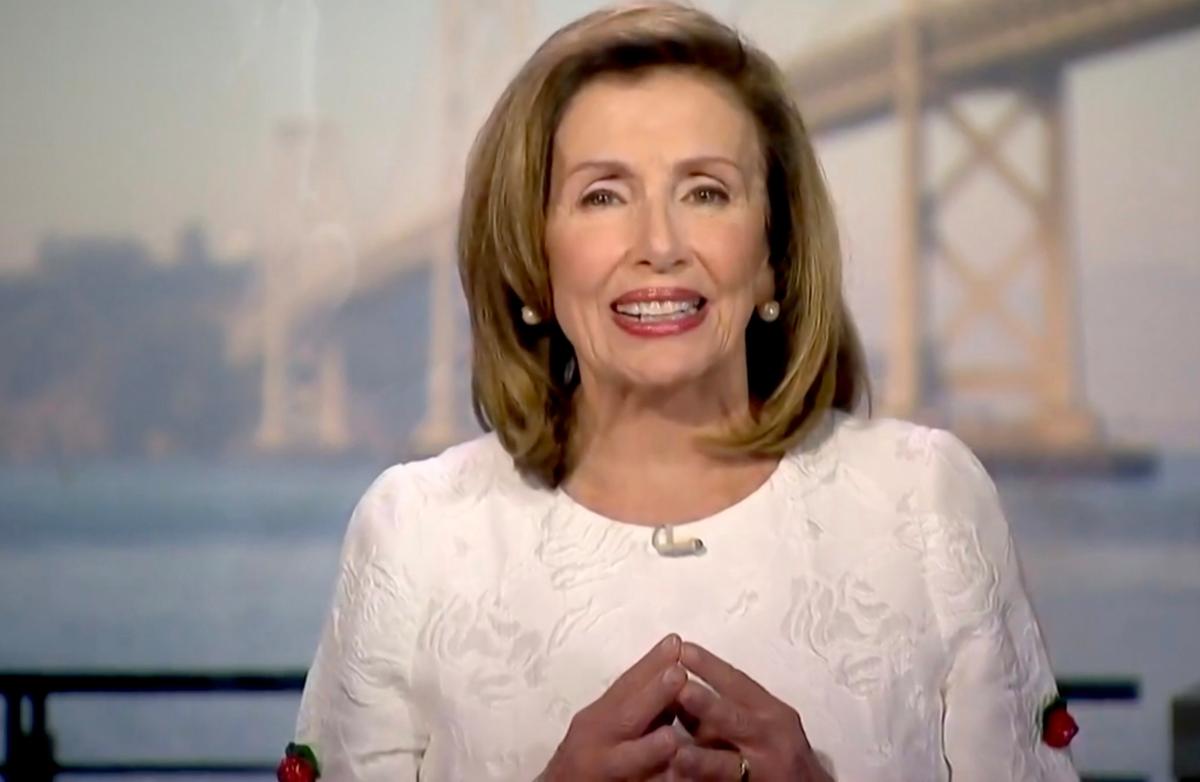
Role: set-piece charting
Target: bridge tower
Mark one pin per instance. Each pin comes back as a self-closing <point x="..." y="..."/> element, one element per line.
<point x="479" y="43"/>
<point x="1030" y="369"/>
<point x="307" y="253"/>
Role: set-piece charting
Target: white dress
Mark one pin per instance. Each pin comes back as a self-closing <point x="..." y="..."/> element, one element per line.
<point x="870" y="583"/>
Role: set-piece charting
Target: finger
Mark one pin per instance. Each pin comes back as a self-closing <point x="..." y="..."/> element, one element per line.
<point x="665" y="717"/>
<point x="713" y="718"/>
<point x="702" y="764"/>
<point x="668" y="774"/>
<point x="641" y="757"/>
<point x="728" y="681"/>
<point x="651" y="664"/>
<point x="642" y="709"/>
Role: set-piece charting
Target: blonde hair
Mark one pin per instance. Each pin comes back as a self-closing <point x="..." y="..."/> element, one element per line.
<point x="807" y="361"/>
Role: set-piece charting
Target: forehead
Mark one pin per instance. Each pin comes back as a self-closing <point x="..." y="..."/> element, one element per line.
<point x="663" y="110"/>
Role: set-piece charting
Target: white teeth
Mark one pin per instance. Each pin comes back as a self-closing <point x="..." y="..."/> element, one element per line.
<point x="652" y="309"/>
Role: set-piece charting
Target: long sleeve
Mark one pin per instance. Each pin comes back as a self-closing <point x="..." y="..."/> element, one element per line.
<point x="998" y="677"/>
<point x="356" y="711"/>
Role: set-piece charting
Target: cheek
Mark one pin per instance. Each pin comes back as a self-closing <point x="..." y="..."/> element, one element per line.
<point x="737" y="261"/>
<point x="738" y="267"/>
<point x="580" y="262"/>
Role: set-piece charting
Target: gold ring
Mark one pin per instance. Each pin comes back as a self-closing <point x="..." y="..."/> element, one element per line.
<point x="743" y="770"/>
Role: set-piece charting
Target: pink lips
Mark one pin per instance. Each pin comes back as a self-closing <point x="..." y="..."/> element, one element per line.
<point x="662" y="328"/>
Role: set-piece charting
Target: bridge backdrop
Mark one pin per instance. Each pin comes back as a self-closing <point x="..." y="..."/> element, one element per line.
<point x="926" y="67"/>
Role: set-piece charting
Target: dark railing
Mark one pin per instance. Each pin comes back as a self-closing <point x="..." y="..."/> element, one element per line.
<point x="29" y="749"/>
<point x="1185" y="735"/>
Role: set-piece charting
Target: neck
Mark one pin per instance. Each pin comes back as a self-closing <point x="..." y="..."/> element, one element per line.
<point x="634" y="448"/>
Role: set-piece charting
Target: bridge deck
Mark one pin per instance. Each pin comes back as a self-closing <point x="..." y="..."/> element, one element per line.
<point x="852" y="79"/>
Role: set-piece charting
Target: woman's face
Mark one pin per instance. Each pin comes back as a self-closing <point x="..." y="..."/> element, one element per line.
<point x="656" y="230"/>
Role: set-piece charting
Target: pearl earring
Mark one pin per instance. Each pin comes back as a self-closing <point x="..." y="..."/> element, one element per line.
<point x="768" y="311"/>
<point x="530" y="316"/>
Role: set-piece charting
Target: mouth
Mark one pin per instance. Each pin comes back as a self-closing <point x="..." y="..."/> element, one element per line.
<point x="658" y="307"/>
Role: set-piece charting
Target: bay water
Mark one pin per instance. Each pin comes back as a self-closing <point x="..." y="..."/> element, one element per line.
<point x="200" y="566"/>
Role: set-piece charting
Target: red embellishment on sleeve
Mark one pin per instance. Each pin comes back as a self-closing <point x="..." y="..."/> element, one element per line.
<point x="299" y="764"/>
<point x="1058" y="726"/>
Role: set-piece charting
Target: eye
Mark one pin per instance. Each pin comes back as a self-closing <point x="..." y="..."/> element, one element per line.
<point x="599" y="197"/>
<point x="709" y="194"/>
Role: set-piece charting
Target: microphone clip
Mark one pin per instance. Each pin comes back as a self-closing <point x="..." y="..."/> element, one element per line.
<point x="666" y="545"/>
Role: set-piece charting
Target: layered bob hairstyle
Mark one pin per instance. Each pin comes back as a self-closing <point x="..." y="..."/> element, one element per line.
<point x="799" y="366"/>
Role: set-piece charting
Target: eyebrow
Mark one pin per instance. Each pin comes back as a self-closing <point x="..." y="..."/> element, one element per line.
<point x="604" y="165"/>
<point x="622" y="169"/>
<point x="705" y="160"/>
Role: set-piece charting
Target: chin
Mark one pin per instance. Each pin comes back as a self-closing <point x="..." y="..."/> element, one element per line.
<point x="669" y="376"/>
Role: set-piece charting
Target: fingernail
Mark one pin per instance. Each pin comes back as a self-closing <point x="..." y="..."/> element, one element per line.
<point x="674" y="676"/>
<point x="669" y="641"/>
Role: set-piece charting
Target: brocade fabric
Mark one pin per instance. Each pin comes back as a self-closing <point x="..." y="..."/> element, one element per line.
<point x="870" y="582"/>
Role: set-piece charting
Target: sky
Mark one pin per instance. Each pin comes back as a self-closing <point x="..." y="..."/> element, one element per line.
<point x="135" y="117"/>
<point x="138" y="115"/>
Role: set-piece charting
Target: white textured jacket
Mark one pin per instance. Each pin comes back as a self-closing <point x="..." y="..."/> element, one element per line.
<point x="871" y="583"/>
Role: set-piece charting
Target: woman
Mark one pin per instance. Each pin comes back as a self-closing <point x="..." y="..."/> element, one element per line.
<point x="664" y="361"/>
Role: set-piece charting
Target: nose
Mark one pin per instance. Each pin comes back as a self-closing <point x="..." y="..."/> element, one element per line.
<point x="660" y="244"/>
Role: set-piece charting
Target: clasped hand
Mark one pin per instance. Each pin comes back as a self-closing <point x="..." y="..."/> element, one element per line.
<point x="626" y="734"/>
